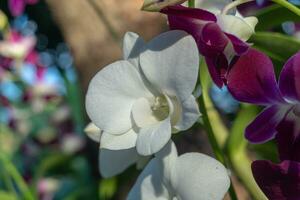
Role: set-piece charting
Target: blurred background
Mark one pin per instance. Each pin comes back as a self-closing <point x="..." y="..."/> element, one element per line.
<point x="49" y="50"/>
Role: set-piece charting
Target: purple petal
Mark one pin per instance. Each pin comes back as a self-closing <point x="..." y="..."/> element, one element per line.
<point x="263" y="127"/>
<point x="289" y="82"/>
<point x="192" y="13"/>
<point x="201" y="25"/>
<point x="213" y="40"/>
<point x="239" y="46"/>
<point x="16" y="7"/>
<point x="217" y="67"/>
<point x="288" y="138"/>
<point x="252" y="79"/>
<point x="278" y="182"/>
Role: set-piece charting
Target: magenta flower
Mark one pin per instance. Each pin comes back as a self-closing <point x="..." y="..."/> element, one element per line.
<point x="220" y="38"/>
<point x="282" y="181"/>
<point x="252" y="80"/>
<point x="17" y="7"/>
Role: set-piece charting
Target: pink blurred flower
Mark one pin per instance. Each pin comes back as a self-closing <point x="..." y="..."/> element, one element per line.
<point x="16" y="46"/>
<point x="17" y="7"/>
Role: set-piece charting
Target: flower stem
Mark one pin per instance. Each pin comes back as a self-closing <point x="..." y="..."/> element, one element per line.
<point x="236" y="151"/>
<point x="212" y="139"/>
<point x="234" y="4"/>
<point x="288" y="5"/>
<point x="216" y="149"/>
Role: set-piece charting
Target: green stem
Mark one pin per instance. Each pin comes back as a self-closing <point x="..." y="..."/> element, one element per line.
<point x="216" y="149"/>
<point x="191" y="3"/>
<point x="212" y="139"/>
<point x="220" y="130"/>
<point x="10" y="168"/>
<point x="236" y="151"/>
<point x="288" y="5"/>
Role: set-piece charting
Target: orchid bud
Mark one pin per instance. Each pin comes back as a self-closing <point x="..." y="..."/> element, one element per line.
<point x="157" y="5"/>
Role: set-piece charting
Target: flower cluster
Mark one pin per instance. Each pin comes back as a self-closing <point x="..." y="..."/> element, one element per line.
<point x="135" y="105"/>
<point x="220" y="37"/>
<point x="279" y="120"/>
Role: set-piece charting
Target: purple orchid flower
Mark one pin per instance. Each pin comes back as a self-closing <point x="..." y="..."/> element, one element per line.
<point x="282" y="181"/>
<point x="252" y="80"/>
<point x="214" y="34"/>
<point x="17" y="7"/>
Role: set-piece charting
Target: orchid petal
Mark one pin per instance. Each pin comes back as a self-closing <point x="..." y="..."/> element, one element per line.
<point x="111" y="94"/>
<point x="236" y="26"/>
<point x="189" y="13"/>
<point x="118" y="142"/>
<point x="289" y="82"/>
<point x="149" y="185"/>
<point x="132" y="46"/>
<point x="174" y="70"/>
<point x="263" y="127"/>
<point x="239" y="46"/>
<point x="112" y="163"/>
<point x="251" y="21"/>
<point x="288" y="138"/>
<point x="189" y="114"/>
<point x="167" y="157"/>
<point x="153" y="138"/>
<point x="217" y="67"/>
<point x="252" y="79"/>
<point x="197" y="176"/>
<point x="93" y="132"/>
<point x="142" y="113"/>
<point x="280" y="181"/>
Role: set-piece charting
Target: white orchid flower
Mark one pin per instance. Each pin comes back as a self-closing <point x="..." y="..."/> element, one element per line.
<point x="191" y="176"/>
<point x="138" y="102"/>
<point x="114" y="162"/>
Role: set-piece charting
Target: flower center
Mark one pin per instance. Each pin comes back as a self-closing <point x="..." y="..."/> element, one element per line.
<point x="160" y="108"/>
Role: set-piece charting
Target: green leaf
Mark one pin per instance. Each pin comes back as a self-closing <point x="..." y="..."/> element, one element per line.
<point x="277" y="46"/>
<point x="7" y="196"/>
<point x="273" y="16"/>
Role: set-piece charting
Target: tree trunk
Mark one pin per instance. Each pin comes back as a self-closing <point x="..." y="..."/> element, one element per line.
<point x="93" y="29"/>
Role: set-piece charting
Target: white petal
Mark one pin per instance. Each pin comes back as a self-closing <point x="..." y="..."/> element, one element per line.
<point x="236" y="26"/>
<point x="149" y="185"/>
<point x="111" y="94"/>
<point x="142" y="113"/>
<point x="153" y="138"/>
<point x="112" y="163"/>
<point x="167" y="158"/>
<point x="189" y="114"/>
<point x="170" y="63"/>
<point x="251" y="21"/>
<point x="132" y="46"/>
<point x="118" y="142"/>
<point x="197" y="176"/>
<point x="93" y="132"/>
